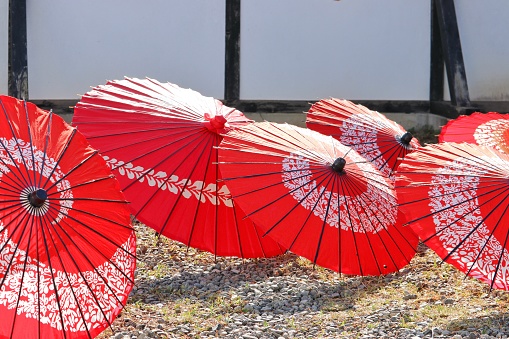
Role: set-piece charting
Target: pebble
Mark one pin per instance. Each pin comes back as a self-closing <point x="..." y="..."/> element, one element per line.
<point x="280" y="306"/>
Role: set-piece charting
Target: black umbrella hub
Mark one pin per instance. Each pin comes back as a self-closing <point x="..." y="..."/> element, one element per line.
<point x="406" y="138"/>
<point x="216" y="123"/>
<point x="338" y="165"/>
<point x="38" y="197"/>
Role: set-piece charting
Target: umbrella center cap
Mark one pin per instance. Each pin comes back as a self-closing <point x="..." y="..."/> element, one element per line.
<point x="338" y="165"/>
<point x="215" y="123"/>
<point x="406" y="138"/>
<point x="38" y="197"/>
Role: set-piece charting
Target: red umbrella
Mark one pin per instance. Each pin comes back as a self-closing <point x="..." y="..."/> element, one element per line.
<point x="317" y="197"/>
<point x="374" y="136"/>
<point x="67" y="247"/>
<point x="456" y="197"/>
<point x="488" y="129"/>
<point x="159" y="140"/>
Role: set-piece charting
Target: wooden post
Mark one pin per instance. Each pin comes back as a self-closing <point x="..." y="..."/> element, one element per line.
<point x="18" y="68"/>
<point x="232" y="52"/>
<point x="436" y="90"/>
<point x="445" y="14"/>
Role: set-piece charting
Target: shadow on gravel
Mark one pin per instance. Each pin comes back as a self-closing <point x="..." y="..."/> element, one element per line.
<point x="493" y="325"/>
<point x="275" y="285"/>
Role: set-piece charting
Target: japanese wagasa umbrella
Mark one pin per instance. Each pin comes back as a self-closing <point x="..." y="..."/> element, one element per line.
<point x="374" y="136"/>
<point x="317" y="197"/>
<point x="456" y="197"/>
<point x="488" y="129"/>
<point x="159" y="140"/>
<point x="67" y="247"/>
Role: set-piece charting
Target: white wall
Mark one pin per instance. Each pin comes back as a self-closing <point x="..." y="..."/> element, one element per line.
<point x="73" y="45"/>
<point x="4" y="44"/>
<point x="357" y="49"/>
<point x="484" y="33"/>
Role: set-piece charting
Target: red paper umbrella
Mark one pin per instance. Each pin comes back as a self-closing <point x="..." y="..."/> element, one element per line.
<point x="488" y="129"/>
<point x="67" y="248"/>
<point x="159" y="140"/>
<point x="456" y="197"/>
<point x="374" y="136"/>
<point x="317" y="197"/>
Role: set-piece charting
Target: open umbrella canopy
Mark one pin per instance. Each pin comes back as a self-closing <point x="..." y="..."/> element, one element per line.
<point x="456" y="197"/>
<point x="67" y="247"/>
<point x="374" y="136"/>
<point x="487" y="129"/>
<point x="159" y="140"/>
<point x="317" y="197"/>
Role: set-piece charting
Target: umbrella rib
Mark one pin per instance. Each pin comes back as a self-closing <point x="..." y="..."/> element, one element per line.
<point x="180" y="193"/>
<point x="23" y="179"/>
<point x="356" y="195"/>
<point x="55" y="289"/>
<point x="332" y="178"/>
<point x="86" y="257"/>
<point x="309" y="214"/>
<point x="90" y="182"/>
<point x="279" y="198"/>
<point x="287" y="213"/>
<point x="57" y="163"/>
<point x="9" y="238"/>
<point x="84" y="279"/>
<point x="94" y="230"/>
<point x="159" y="163"/>
<point x="241" y="250"/>
<point x="473" y="228"/>
<point x="128" y="145"/>
<point x="454" y="205"/>
<point x="69" y="172"/>
<point x="499" y="261"/>
<point x="46" y="143"/>
<point x="68" y="280"/>
<point x="97" y="249"/>
<point x="496" y="184"/>
<point x="340" y="258"/>
<point x="396" y="229"/>
<point x="199" y="200"/>
<point x="31" y="143"/>
<point x="20" y="180"/>
<point x="22" y="276"/>
<point x="343" y="189"/>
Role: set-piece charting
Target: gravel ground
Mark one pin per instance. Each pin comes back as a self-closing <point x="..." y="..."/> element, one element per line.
<point x="185" y="293"/>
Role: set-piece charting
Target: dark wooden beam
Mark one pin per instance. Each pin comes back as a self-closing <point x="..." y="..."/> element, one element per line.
<point x="436" y="83"/>
<point x="288" y="106"/>
<point x="445" y="14"/>
<point x="232" y="51"/>
<point x="17" y="64"/>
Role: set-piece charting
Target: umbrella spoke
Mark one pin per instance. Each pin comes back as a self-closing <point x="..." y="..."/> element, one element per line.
<point x="25" y="262"/>
<point x="474" y="228"/>
<point x="198" y="138"/>
<point x="71" y="171"/>
<point x="92" y="267"/>
<point x="93" y="230"/>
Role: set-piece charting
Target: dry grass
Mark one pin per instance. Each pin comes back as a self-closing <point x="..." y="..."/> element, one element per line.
<point x="425" y="294"/>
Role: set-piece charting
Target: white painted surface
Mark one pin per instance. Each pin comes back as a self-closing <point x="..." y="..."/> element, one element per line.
<point x="484" y="33"/>
<point x="73" y="45"/>
<point x="4" y="45"/>
<point x="311" y="49"/>
<point x="290" y="49"/>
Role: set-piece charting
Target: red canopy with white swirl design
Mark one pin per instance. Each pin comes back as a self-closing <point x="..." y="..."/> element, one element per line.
<point x="289" y="181"/>
<point x="67" y="247"/>
<point x="374" y="136"/>
<point x="487" y="129"/>
<point x="159" y="140"/>
<point x="456" y="197"/>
